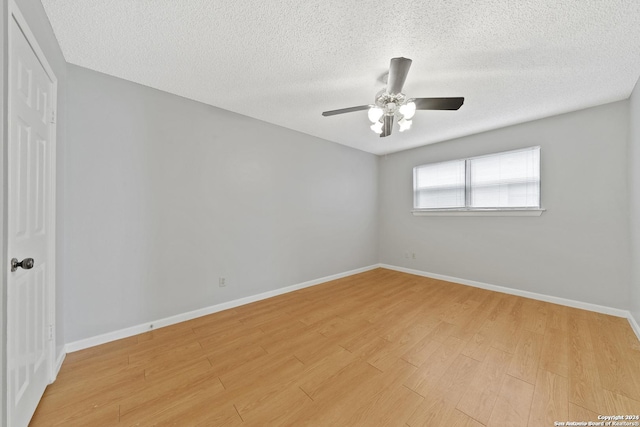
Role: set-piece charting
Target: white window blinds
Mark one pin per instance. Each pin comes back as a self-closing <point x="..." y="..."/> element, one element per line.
<point x="505" y="180"/>
<point x="498" y="181"/>
<point x="440" y="185"/>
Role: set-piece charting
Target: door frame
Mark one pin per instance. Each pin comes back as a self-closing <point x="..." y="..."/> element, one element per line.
<point x="13" y="13"/>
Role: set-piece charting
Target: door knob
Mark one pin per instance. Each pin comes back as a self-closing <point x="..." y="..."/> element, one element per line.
<point x="26" y="263"/>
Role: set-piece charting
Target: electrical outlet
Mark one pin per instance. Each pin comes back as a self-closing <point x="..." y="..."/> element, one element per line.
<point x="413" y="255"/>
<point x="222" y="282"/>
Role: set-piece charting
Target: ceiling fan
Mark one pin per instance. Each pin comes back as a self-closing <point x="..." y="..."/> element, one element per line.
<point x="391" y="102"/>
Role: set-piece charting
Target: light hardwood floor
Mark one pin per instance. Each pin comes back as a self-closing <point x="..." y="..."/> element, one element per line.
<point x="378" y="348"/>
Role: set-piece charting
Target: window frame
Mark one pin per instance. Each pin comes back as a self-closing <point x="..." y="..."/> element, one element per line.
<point x="468" y="210"/>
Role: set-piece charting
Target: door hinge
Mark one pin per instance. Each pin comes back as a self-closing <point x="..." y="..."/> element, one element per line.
<point x="53" y="117"/>
<point x="50" y="332"/>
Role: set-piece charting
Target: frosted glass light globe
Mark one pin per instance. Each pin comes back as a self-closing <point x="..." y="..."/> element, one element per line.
<point x="404" y="124"/>
<point x="374" y="114"/>
<point x="408" y="110"/>
<point x="377" y="127"/>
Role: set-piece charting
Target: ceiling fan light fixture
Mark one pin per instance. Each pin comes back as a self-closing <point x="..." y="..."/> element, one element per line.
<point x="408" y="110"/>
<point x="377" y="127"/>
<point x="374" y="114"/>
<point x="392" y="105"/>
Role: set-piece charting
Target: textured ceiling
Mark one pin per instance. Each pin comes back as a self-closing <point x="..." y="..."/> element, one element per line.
<point x="286" y="61"/>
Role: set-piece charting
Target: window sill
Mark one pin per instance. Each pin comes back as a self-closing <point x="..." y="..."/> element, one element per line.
<point x="477" y="212"/>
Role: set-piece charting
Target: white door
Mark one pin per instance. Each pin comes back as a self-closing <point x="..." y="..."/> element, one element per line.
<point x="29" y="229"/>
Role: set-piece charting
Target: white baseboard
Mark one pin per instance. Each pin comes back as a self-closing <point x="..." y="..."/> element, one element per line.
<point x="138" y="329"/>
<point x="634" y="325"/>
<point x="58" y="365"/>
<point x="533" y="295"/>
<point x="541" y="297"/>
<point x="144" y="327"/>
<point x="61" y="357"/>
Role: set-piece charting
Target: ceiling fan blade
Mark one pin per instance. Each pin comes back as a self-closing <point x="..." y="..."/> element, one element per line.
<point x="346" y="110"/>
<point x="438" y="103"/>
<point x="387" y="126"/>
<point x="398" y="70"/>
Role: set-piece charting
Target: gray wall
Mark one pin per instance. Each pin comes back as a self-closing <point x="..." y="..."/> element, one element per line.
<point x="634" y="197"/>
<point x="164" y="195"/>
<point x="577" y="249"/>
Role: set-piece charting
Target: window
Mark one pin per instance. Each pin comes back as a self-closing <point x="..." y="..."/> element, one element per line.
<point x="508" y="181"/>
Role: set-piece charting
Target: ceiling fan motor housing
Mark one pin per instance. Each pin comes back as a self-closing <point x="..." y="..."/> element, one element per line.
<point x="390" y="102"/>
